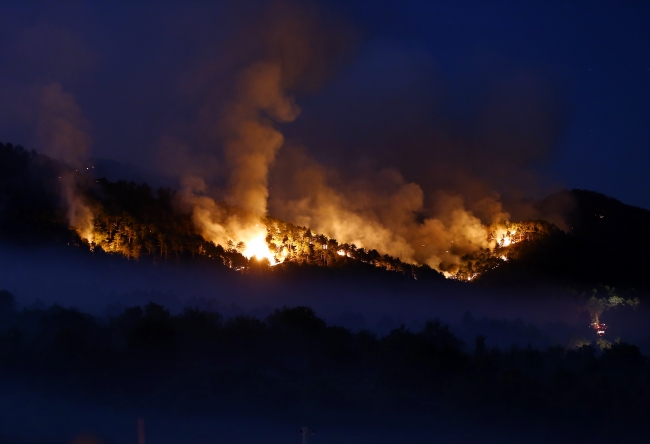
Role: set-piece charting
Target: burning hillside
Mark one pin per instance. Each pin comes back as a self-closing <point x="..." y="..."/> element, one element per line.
<point x="242" y="170"/>
<point x="161" y="225"/>
<point x="237" y="162"/>
<point x="506" y="241"/>
<point x="134" y="221"/>
<point x="137" y="222"/>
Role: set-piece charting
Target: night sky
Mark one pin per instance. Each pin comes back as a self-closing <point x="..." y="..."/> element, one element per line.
<point x="531" y="96"/>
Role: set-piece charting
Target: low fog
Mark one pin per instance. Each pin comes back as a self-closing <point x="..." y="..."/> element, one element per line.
<point x="104" y="285"/>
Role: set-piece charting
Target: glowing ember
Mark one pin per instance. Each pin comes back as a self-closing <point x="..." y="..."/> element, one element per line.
<point x="258" y="248"/>
<point x="599" y="327"/>
<point x="341" y="253"/>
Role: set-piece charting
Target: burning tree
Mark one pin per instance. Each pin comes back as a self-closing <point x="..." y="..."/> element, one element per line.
<point x="507" y="240"/>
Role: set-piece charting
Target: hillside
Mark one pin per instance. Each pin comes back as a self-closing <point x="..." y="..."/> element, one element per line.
<point x="612" y="240"/>
<point x="138" y="222"/>
<point x="605" y="242"/>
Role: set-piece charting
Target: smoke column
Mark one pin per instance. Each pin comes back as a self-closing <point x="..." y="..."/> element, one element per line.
<point x="381" y="210"/>
<point x="250" y="145"/>
<point x="251" y="141"/>
<point x="290" y="52"/>
<point x="434" y="211"/>
<point x="63" y="133"/>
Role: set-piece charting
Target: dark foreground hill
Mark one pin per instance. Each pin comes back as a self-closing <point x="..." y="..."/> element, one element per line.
<point x="291" y="364"/>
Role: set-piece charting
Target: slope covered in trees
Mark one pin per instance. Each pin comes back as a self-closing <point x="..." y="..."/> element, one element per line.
<point x="30" y="209"/>
<point x="605" y="242"/>
<point x="137" y="222"/>
<point x="612" y="239"/>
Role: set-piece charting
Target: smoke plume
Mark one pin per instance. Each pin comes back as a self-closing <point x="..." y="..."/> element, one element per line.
<point x="42" y="62"/>
<point x="251" y="141"/>
<point x="381" y="210"/>
<point x="387" y="157"/>
<point x="62" y="129"/>
<point x="64" y="134"/>
<point x="289" y="55"/>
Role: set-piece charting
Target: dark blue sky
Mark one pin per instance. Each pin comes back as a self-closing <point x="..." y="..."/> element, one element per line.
<point x="596" y="53"/>
<point x="497" y="91"/>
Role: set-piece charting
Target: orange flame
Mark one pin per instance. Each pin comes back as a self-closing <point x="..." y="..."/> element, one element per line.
<point x="257" y="247"/>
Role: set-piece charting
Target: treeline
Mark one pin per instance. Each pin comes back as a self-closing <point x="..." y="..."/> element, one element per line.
<point x="30" y="204"/>
<point x="513" y="241"/>
<point x="300" y="245"/>
<point x="137" y="222"/>
<point x="197" y="361"/>
<point x="132" y="220"/>
<point x="604" y="242"/>
<point x="611" y="239"/>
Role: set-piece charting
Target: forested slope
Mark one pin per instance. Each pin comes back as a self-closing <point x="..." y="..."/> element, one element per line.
<point x="605" y="242"/>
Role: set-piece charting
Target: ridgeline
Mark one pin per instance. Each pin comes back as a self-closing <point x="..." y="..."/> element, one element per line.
<point x="605" y="242"/>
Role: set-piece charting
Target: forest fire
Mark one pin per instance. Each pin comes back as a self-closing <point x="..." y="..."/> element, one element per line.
<point x="505" y="237"/>
<point x="234" y="235"/>
<point x="258" y="248"/>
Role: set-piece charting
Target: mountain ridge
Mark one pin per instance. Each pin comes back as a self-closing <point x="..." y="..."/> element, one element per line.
<point x="136" y="221"/>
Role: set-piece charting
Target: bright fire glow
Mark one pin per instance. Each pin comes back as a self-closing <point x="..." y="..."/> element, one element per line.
<point x="258" y="248"/>
<point x="505" y="237"/>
